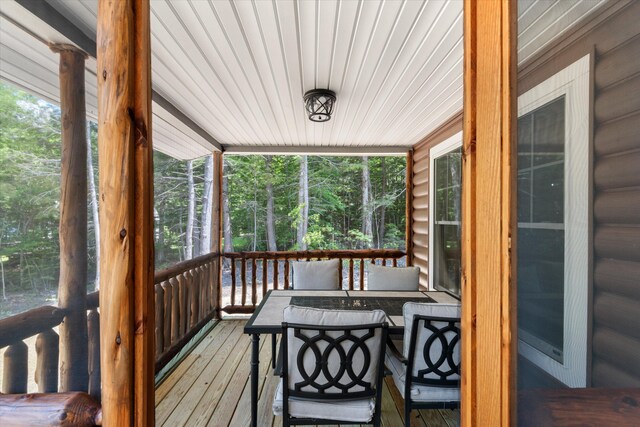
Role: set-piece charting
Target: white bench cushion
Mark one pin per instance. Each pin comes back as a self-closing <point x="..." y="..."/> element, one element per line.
<point x="393" y="278"/>
<point x="316" y="275"/>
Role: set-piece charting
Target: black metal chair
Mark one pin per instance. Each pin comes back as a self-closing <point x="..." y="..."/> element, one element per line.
<point x="332" y="373"/>
<point x="427" y="371"/>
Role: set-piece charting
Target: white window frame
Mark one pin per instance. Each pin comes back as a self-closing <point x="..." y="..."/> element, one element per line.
<point x="435" y="152"/>
<point x="573" y="82"/>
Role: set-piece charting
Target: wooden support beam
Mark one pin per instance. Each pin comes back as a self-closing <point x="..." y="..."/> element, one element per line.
<point x="216" y="229"/>
<point x="126" y="220"/>
<point x="72" y="292"/>
<point x="409" y="209"/>
<point x="488" y="214"/>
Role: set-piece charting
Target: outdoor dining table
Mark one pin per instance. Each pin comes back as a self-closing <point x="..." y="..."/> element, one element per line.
<point x="267" y="318"/>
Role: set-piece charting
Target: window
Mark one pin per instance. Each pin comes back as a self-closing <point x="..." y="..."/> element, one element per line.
<point x="553" y="185"/>
<point x="444" y="217"/>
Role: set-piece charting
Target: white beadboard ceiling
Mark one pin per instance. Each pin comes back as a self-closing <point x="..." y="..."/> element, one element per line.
<point x="238" y="69"/>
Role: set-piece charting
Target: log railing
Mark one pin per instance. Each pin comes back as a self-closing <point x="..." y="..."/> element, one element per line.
<point x="185" y="300"/>
<point x="275" y="271"/>
<point x="40" y="322"/>
<point x="185" y="296"/>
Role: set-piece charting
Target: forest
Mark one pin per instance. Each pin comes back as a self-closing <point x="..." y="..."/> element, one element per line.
<point x="270" y="202"/>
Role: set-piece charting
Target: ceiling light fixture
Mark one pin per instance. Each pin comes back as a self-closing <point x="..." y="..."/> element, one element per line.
<point x="319" y="104"/>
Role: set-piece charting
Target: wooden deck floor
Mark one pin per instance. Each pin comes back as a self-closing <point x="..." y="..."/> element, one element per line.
<point x="210" y="387"/>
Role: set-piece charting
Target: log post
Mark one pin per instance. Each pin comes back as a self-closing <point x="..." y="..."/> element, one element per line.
<point x="126" y="217"/>
<point x="216" y="231"/>
<point x="93" y="324"/>
<point x="409" y="209"/>
<point x="72" y="292"/>
<point x="47" y="353"/>
<point x="16" y="368"/>
<point x="184" y="305"/>
<point x="488" y="214"/>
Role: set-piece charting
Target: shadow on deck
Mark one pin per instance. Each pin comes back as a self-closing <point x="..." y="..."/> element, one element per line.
<point x="211" y="387"/>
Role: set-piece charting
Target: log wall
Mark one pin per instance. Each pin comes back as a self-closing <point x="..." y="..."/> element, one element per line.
<point x="613" y="36"/>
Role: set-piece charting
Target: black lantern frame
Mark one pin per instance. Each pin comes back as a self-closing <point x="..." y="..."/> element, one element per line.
<point x="319" y="104"/>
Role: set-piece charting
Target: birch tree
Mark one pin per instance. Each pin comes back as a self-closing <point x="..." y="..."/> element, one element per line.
<point x="94" y="205"/>
<point x="271" y="231"/>
<point x="226" y="217"/>
<point x="191" y="212"/>
<point x="366" y="204"/>
<point x="207" y="200"/>
<point x="303" y="203"/>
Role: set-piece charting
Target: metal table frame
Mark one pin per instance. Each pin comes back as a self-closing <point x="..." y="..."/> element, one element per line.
<point x="276" y="328"/>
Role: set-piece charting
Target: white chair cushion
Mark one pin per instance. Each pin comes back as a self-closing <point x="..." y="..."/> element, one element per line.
<point x="316" y="275"/>
<point x="393" y="278"/>
<point x="426" y="309"/>
<point x="419" y="393"/>
<point x="343" y="410"/>
<point x="313" y="316"/>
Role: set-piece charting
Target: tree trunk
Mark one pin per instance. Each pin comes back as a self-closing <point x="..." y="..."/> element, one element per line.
<point x="191" y="212"/>
<point x="366" y="204"/>
<point x="303" y="203"/>
<point x="207" y="199"/>
<point x="228" y="235"/>
<point x="159" y="236"/>
<point x="94" y="205"/>
<point x="271" y="231"/>
<point x="383" y="206"/>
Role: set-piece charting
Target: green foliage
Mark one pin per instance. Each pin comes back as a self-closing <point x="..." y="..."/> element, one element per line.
<point x="335" y="201"/>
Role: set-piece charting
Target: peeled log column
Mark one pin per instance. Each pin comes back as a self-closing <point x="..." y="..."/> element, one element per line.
<point x="14" y="378"/>
<point x="47" y="344"/>
<point x="127" y="317"/>
<point x="72" y="293"/>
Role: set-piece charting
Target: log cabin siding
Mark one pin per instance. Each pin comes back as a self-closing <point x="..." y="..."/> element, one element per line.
<point x="420" y="195"/>
<point x="614" y="36"/>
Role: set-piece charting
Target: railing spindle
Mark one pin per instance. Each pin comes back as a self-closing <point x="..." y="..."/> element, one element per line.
<point x="286" y="273"/>
<point x="254" y="296"/>
<point x="384" y="262"/>
<point x="16" y="362"/>
<point x="193" y="298"/>
<point x="203" y="292"/>
<point x="159" y="319"/>
<point x="47" y="354"/>
<point x="265" y="272"/>
<point x="243" y="276"/>
<point x="93" y="329"/>
<point x="275" y="274"/>
<point x="339" y="273"/>
<point x="395" y="262"/>
<point x="362" y="274"/>
<point x="184" y="304"/>
<point x="350" y="274"/>
<point x="175" y="309"/>
<point x="168" y="297"/>
<point x="233" y="281"/>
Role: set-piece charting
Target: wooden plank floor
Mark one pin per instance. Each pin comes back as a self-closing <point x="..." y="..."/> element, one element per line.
<point x="211" y="385"/>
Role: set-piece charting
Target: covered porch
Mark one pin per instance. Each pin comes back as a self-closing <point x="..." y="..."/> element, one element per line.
<point x="220" y="78"/>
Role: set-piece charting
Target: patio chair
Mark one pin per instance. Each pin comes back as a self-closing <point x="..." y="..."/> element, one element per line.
<point x="307" y="276"/>
<point x="431" y="356"/>
<point x="316" y="275"/>
<point x="333" y="367"/>
<point x="393" y="278"/>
